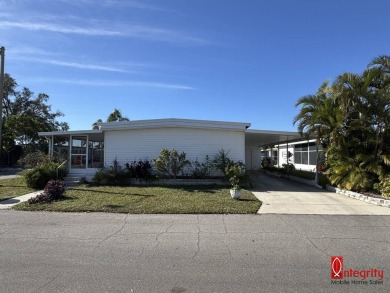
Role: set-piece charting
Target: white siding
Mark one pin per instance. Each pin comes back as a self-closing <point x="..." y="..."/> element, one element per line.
<point x="291" y="149"/>
<point x="139" y="144"/>
<point x="283" y="155"/>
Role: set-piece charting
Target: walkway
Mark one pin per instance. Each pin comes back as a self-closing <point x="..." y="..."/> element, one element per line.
<point x="9" y="203"/>
<point x="282" y="196"/>
<point x="10" y="173"/>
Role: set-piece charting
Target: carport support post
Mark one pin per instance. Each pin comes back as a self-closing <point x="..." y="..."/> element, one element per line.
<point x="288" y="164"/>
<point x="316" y="180"/>
<point x="278" y="155"/>
<point x="2" y="53"/>
<point x="51" y="147"/>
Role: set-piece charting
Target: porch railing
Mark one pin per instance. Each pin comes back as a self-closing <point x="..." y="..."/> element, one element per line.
<point x="62" y="170"/>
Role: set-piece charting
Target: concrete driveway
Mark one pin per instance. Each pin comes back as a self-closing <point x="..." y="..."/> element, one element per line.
<point x="282" y="196"/>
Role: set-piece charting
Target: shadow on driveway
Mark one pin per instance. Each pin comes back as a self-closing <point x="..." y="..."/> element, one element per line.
<point x="283" y="196"/>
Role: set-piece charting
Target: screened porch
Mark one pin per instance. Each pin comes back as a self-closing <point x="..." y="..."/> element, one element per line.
<point x="82" y="151"/>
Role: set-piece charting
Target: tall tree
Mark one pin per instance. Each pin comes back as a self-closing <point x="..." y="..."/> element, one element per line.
<point x="96" y="124"/>
<point x="114" y="116"/>
<point x="353" y="119"/>
<point x="319" y="117"/>
<point x="25" y="114"/>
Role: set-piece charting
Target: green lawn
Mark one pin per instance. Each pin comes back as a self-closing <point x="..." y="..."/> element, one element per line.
<point x="150" y="200"/>
<point x="10" y="188"/>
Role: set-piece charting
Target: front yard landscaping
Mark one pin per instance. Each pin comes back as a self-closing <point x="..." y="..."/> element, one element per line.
<point x="15" y="187"/>
<point x="150" y="200"/>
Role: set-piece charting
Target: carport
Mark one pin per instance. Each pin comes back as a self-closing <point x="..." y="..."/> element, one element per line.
<point x="255" y="140"/>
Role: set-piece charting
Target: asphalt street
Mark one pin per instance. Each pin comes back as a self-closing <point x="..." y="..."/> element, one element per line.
<point x="96" y="252"/>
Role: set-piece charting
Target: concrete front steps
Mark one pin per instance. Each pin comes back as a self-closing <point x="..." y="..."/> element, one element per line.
<point x="73" y="180"/>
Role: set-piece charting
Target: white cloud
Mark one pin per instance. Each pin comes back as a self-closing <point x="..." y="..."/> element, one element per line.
<point x="132" y="31"/>
<point x="34" y="26"/>
<point x="19" y="52"/>
<point x="23" y="55"/>
<point x="85" y="66"/>
<point x="113" y="3"/>
<point x="117" y="83"/>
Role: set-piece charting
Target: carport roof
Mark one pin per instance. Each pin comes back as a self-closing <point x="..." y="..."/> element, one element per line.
<point x="255" y="137"/>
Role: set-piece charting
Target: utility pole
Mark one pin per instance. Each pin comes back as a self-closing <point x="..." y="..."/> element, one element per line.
<point x="2" y="53"/>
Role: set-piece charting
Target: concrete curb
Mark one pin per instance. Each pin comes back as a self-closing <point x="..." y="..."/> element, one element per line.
<point x="365" y="198"/>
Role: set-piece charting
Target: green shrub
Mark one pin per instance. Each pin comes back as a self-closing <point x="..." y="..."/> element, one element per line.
<point x="170" y="163"/>
<point x="40" y="175"/>
<point x="201" y="170"/>
<point x="221" y="161"/>
<point x="116" y="175"/>
<point x="99" y="177"/>
<point x="385" y="186"/>
<point x="111" y="177"/>
<point x="288" y="167"/>
<point x="34" y="159"/>
<point x="309" y="175"/>
<point x="323" y="180"/>
<point x="139" y="169"/>
<point x="235" y="172"/>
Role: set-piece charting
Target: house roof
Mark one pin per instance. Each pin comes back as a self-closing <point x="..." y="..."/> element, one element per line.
<point x="175" y="123"/>
<point x="253" y="137"/>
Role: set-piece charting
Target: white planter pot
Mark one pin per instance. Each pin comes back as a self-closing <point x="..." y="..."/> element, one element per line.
<point x="235" y="193"/>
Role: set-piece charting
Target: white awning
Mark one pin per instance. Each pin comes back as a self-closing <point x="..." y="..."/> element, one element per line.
<point x="254" y="137"/>
<point x="97" y="135"/>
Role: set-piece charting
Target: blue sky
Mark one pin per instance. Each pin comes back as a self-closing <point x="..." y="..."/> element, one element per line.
<point x="245" y="61"/>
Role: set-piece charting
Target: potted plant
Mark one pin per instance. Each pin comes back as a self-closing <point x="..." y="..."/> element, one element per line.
<point x="235" y="173"/>
<point x="235" y="191"/>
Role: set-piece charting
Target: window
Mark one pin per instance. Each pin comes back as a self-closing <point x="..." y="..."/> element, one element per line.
<point x="275" y="157"/>
<point x="305" y="154"/>
<point x="95" y="154"/>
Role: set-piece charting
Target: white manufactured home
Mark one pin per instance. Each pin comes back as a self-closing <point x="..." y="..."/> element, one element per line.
<point x="87" y="151"/>
<point x="302" y="154"/>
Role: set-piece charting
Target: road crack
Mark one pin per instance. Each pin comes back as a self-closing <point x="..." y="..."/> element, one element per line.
<point x="164" y="232"/>
<point x="47" y="283"/>
<point x="198" y="239"/>
<point x="113" y="234"/>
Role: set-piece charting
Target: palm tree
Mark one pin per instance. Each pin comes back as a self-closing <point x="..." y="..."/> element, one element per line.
<point x="352" y="117"/>
<point x="96" y="124"/>
<point x="365" y="102"/>
<point x="115" y="116"/>
<point x="382" y="122"/>
<point x="319" y="117"/>
<point x="382" y="62"/>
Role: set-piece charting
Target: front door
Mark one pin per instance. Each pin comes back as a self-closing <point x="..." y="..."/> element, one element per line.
<point x="78" y="155"/>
